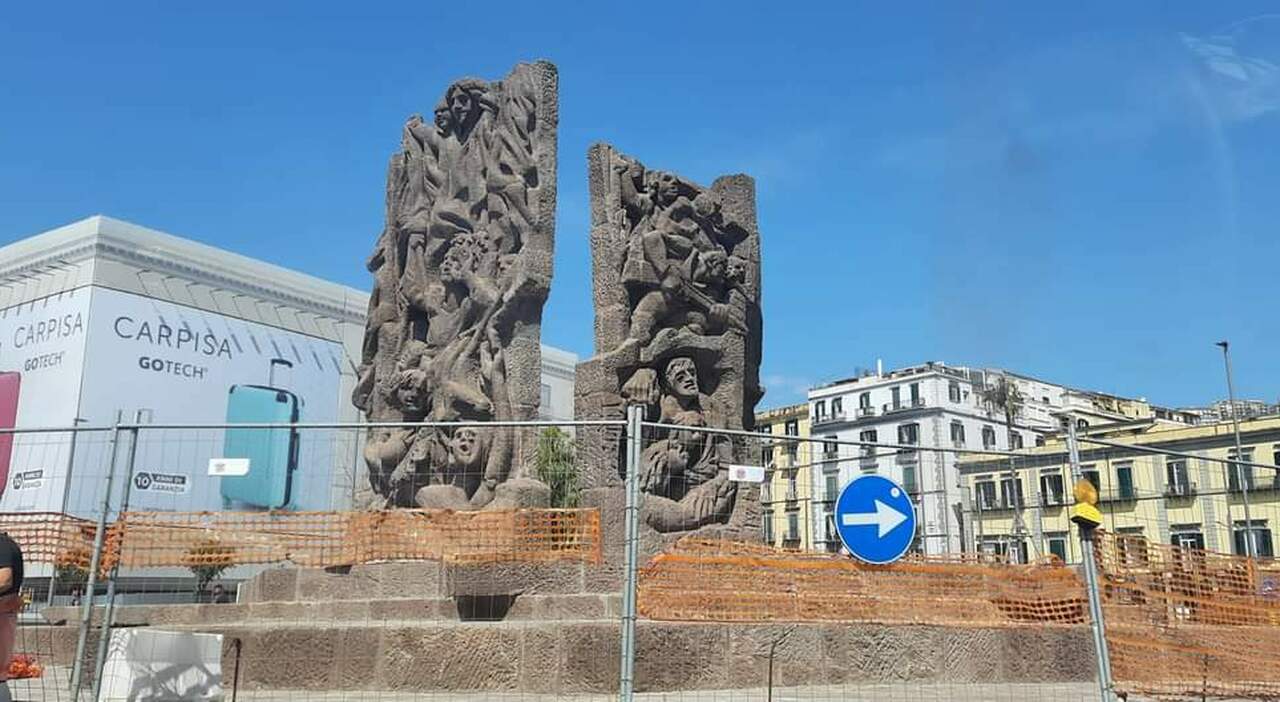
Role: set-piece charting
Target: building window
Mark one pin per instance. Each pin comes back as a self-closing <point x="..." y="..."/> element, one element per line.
<point x="1236" y="472"/>
<point x="766" y="488"/>
<point x="792" y="428"/>
<point x="1131" y="546"/>
<point x="837" y="408"/>
<point x="793" y="528"/>
<point x="1175" y="476"/>
<point x="791" y="485"/>
<point x="1258" y="531"/>
<point x="1124" y="482"/>
<point x="1005" y="547"/>
<point x="957" y="434"/>
<point x="1011" y="492"/>
<point x="1051" y="489"/>
<point x="953" y="392"/>
<point x="1039" y="439"/>
<point x="909" y="479"/>
<point x="832" y="486"/>
<point x="1091" y="474"/>
<point x="768" y="526"/>
<point x="916" y="400"/>
<point x="1057" y="543"/>
<point x="1015" y="441"/>
<point x="830" y="449"/>
<point x="984" y="494"/>
<point x="896" y="394"/>
<point x="988" y="438"/>
<point x="1187" y="536"/>
<point x="545" y="399"/>
<point x="864" y="400"/>
<point x="909" y="434"/>
<point x="819" y="410"/>
<point x="1082" y="424"/>
<point x="766" y="446"/>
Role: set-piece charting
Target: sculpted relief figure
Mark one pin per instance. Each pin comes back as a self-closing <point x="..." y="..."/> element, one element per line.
<point x="678" y="331"/>
<point x="461" y="271"/>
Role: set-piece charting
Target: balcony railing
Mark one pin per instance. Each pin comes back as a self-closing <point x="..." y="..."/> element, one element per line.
<point x="866" y="412"/>
<point x="891" y="407"/>
<point x="1180" y="489"/>
<point x="829" y="418"/>
<point x="906" y="456"/>
<point x="1118" y="495"/>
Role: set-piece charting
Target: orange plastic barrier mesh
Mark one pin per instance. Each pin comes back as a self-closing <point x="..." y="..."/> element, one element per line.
<point x="313" y="539"/>
<point x="50" y="537"/>
<point x="1184" y="623"/>
<point x="707" y="580"/>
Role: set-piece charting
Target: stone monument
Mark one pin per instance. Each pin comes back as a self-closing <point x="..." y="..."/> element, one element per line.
<point x="461" y="271"/>
<point x="678" y="330"/>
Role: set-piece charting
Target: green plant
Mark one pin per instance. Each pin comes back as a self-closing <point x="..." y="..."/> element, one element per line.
<point x="554" y="464"/>
<point x="208" y="561"/>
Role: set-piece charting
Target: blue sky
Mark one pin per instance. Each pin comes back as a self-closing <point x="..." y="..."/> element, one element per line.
<point x="1088" y="192"/>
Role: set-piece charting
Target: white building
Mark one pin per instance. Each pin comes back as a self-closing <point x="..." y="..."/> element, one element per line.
<point x="103" y="316"/>
<point x="932" y="405"/>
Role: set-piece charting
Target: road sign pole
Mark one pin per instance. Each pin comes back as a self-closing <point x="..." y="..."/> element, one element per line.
<point x="1098" y="627"/>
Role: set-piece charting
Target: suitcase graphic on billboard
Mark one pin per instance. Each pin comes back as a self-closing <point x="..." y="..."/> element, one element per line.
<point x="10" y="384"/>
<point x="272" y="453"/>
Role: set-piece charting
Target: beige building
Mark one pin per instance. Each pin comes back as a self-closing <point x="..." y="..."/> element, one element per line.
<point x="787" y="493"/>
<point x="1186" y="497"/>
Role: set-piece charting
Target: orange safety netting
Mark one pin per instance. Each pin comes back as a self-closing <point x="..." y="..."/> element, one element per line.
<point x="708" y="580"/>
<point x="312" y="539"/>
<point x="1189" y="623"/>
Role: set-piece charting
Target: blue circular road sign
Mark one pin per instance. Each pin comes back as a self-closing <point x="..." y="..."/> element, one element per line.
<point x="875" y="519"/>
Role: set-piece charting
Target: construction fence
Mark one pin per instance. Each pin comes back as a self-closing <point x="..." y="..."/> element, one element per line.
<point x="659" y="580"/>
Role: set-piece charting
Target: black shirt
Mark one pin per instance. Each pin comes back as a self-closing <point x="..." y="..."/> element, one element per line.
<point x="11" y="557"/>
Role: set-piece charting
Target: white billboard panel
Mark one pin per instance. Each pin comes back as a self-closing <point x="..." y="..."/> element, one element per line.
<point x="42" y="346"/>
<point x="178" y="365"/>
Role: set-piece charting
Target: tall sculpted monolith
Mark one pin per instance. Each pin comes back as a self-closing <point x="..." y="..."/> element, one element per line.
<point x="676" y="279"/>
<point x="461" y="271"/>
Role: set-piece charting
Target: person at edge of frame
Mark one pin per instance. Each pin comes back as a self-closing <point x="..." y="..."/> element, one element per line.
<point x="11" y="576"/>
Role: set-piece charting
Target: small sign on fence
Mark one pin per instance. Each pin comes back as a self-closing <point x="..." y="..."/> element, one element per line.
<point x="746" y="474"/>
<point x="219" y="467"/>
<point x="161" y="482"/>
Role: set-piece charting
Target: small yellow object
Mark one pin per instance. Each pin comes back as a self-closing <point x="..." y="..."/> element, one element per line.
<point x="1086" y="512"/>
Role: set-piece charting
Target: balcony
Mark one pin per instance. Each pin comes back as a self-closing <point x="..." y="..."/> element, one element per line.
<point x="868" y="462"/>
<point x="906" y="457"/>
<point x="957" y="443"/>
<point x="891" y="407"/>
<point x="866" y="412"/>
<point x="830" y="418"/>
<point x="1181" y="488"/>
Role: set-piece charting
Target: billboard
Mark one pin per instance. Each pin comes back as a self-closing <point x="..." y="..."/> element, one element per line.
<point x="42" y="346"/>
<point x="113" y="351"/>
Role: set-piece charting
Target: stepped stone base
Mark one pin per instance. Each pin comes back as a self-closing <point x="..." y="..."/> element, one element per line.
<point x="397" y="628"/>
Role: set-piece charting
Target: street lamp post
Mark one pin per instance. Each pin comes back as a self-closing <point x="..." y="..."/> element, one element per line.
<point x="1237" y="467"/>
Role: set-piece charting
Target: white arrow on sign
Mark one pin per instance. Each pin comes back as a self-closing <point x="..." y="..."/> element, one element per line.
<point x="885" y="518"/>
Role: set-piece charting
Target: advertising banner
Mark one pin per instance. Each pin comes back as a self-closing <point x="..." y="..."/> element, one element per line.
<point x="179" y="364"/>
<point x="42" y="347"/>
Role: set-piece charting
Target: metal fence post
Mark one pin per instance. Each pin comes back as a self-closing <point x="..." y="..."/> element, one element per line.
<point x="1101" y="653"/>
<point x="95" y="560"/>
<point x="104" y="634"/>
<point x="626" y="686"/>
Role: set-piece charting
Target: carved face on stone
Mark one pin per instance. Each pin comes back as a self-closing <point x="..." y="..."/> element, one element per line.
<point x="465" y="447"/>
<point x="682" y="378"/>
<point x="413" y="390"/>
<point x="444" y="119"/>
<point x="736" y="270"/>
<point x="664" y="186"/>
<point x="715" y="263"/>
<point x="463" y="101"/>
<point x="461" y="257"/>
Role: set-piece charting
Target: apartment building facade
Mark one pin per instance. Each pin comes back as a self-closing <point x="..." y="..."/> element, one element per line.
<point x="1195" y="502"/>
<point x="787" y="494"/>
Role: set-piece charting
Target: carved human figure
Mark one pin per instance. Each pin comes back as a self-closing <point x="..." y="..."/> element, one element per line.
<point x="454" y="287"/>
<point x="685" y="473"/>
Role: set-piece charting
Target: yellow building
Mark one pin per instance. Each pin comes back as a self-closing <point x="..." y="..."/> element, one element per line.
<point x="787" y="492"/>
<point x="1189" y="496"/>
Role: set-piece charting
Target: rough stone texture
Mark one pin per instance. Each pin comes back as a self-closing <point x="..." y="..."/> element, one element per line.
<point x="572" y="657"/>
<point x="461" y="271"/>
<point x="676" y="279"/>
